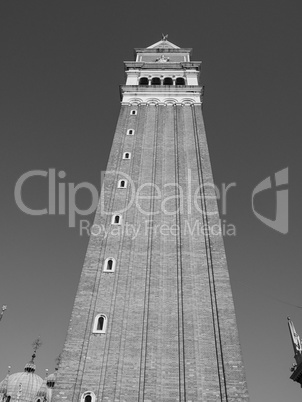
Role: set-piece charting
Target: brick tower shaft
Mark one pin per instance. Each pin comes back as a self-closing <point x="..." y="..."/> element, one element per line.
<point x="153" y="318"/>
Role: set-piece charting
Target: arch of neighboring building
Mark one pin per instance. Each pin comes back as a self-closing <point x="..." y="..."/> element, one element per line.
<point x="88" y="396"/>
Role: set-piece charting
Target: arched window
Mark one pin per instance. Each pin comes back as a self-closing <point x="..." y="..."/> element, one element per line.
<point x="180" y="81"/>
<point x="88" y="396"/>
<point x="130" y="131"/>
<point x="109" y="264"/>
<point x="143" y="81"/>
<point x="133" y="112"/>
<point x="127" y="155"/>
<point x="168" y="81"/>
<point x="122" y="184"/>
<point x="155" y="81"/>
<point x="100" y="324"/>
<point x="116" y="219"/>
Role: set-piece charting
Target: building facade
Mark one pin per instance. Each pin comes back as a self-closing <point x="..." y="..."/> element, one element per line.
<point x="153" y="319"/>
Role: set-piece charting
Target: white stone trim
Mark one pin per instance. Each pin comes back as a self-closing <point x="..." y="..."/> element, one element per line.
<point x="88" y="393"/>
<point x="95" y="324"/>
<point x="170" y="101"/>
<point x="134" y="101"/>
<point x="161" y="98"/>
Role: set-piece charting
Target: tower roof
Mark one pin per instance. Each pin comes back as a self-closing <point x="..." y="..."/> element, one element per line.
<point x="163" y="44"/>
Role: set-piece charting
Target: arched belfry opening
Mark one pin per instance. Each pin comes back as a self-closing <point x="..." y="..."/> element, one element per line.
<point x="155" y="81"/>
<point x="168" y="81"/>
<point x="143" y="81"/>
<point x="180" y="81"/>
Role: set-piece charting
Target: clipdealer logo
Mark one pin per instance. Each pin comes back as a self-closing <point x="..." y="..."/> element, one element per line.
<point x="280" y="223"/>
<point x="170" y="198"/>
<point x="62" y="197"/>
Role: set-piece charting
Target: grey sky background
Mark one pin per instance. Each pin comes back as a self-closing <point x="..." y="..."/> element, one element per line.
<point x="61" y="64"/>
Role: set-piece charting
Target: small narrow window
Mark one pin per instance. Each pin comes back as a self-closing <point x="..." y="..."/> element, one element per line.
<point x="127" y="155"/>
<point x="122" y="184"/>
<point x="155" y="81"/>
<point x="168" y="81"/>
<point x="88" y="396"/>
<point x="180" y="81"/>
<point x="143" y="81"/>
<point x="133" y="112"/>
<point x="116" y="219"/>
<point x="109" y="264"/>
<point x="100" y="324"/>
<point x="130" y="131"/>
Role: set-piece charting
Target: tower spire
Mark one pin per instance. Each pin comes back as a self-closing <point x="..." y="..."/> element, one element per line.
<point x="296" y="368"/>
<point x="296" y="341"/>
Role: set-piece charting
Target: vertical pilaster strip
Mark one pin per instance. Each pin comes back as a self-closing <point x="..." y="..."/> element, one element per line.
<point x="181" y="347"/>
<point x="207" y="239"/>
<point x="148" y="274"/>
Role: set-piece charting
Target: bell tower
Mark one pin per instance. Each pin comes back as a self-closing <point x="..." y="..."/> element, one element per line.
<point x="153" y="318"/>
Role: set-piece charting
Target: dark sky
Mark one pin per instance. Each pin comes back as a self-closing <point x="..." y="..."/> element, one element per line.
<point x="61" y="64"/>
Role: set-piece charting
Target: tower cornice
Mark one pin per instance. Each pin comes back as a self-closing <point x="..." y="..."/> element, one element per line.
<point x="162" y="89"/>
<point x="163" y="66"/>
<point x="189" y="94"/>
<point x="163" y="50"/>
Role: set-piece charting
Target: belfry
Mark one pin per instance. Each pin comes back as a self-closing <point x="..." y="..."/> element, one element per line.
<point x="153" y="318"/>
